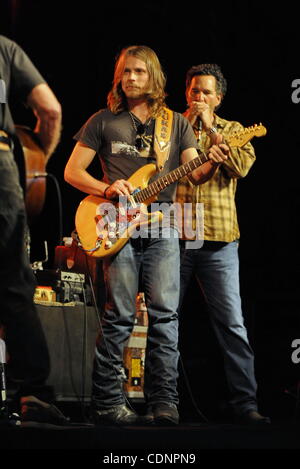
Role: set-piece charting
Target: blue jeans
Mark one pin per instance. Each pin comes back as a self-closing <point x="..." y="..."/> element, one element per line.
<point x="29" y="361"/>
<point x="216" y="267"/>
<point x="151" y="266"/>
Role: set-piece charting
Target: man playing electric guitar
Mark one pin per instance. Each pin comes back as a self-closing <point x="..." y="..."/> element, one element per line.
<point x="123" y="137"/>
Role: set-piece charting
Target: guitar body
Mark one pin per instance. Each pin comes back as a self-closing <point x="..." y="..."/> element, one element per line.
<point x="34" y="169"/>
<point x="141" y="177"/>
<point x="95" y="235"/>
<point x="104" y="226"/>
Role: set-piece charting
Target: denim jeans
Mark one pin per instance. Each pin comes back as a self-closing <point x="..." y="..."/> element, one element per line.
<point x="29" y="361"/>
<point x="153" y="266"/>
<point x="216" y="266"/>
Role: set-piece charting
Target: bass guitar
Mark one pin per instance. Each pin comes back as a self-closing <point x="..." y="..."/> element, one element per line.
<point x="104" y="226"/>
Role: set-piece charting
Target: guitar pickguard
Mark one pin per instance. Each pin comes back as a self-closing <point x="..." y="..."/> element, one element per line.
<point x="114" y="223"/>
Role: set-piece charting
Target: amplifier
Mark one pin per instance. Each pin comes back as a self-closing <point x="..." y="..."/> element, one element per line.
<point x="71" y="333"/>
<point x="66" y="286"/>
<point x="71" y="259"/>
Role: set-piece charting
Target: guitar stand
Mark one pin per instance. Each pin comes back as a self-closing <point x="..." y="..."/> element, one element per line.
<point x="5" y="417"/>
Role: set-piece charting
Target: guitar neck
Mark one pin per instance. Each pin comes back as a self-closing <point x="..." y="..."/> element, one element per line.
<point x="164" y="181"/>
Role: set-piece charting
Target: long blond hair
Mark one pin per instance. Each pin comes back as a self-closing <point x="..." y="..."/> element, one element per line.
<point x="155" y="94"/>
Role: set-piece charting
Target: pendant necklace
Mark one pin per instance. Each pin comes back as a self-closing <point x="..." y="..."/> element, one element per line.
<point x="142" y="141"/>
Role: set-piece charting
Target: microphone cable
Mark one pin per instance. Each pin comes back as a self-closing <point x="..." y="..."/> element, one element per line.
<point x="189" y="389"/>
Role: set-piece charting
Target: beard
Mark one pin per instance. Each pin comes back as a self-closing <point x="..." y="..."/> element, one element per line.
<point x="134" y="92"/>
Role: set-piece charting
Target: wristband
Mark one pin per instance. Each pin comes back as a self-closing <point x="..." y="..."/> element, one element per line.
<point x="104" y="193"/>
<point x="212" y="130"/>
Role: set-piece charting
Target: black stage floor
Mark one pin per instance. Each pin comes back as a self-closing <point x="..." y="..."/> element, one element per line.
<point x="186" y="443"/>
<point x="187" y="437"/>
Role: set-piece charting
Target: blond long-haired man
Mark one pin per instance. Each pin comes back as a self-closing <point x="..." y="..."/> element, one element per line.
<point x="123" y="137"/>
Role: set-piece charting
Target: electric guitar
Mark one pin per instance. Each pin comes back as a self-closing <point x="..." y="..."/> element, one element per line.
<point x="104" y="226"/>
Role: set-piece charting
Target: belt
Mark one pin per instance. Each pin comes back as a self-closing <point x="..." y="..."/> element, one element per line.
<point x="5" y="141"/>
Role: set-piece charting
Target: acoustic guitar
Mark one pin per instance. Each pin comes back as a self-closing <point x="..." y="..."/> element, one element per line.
<point x="31" y="162"/>
<point x="104" y="226"/>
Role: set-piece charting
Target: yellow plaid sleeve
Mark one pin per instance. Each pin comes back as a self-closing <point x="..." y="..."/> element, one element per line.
<point x="218" y="194"/>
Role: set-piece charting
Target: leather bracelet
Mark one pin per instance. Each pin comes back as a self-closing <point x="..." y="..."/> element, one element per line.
<point x="104" y="193"/>
<point x="212" y="130"/>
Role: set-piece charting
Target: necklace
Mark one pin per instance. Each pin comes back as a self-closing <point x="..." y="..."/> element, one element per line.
<point x="142" y="141"/>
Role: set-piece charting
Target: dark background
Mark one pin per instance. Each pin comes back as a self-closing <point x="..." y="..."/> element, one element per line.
<point x="74" y="47"/>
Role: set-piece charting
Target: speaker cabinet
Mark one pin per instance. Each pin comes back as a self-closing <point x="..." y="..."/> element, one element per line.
<point x="71" y="333"/>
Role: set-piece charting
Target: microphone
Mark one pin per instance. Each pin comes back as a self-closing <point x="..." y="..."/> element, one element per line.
<point x="198" y="129"/>
<point x="199" y="124"/>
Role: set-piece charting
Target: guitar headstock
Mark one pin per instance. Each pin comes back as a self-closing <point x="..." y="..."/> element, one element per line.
<point x="239" y="139"/>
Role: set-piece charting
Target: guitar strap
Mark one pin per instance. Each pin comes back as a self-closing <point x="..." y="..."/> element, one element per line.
<point x="162" y="137"/>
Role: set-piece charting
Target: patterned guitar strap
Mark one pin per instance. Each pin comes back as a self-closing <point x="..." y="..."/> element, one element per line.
<point x="162" y="137"/>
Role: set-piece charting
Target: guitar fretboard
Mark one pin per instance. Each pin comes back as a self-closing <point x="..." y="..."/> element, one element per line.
<point x="160" y="184"/>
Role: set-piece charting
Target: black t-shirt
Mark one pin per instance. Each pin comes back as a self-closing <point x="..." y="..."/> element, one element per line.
<point x="18" y="76"/>
<point x="113" y="137"/>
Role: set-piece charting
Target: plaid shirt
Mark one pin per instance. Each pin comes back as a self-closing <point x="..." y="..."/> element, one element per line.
<point x="218" y="193"/>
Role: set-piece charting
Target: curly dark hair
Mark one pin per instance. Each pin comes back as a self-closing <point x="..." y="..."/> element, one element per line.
<point x="208" y="69"/>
